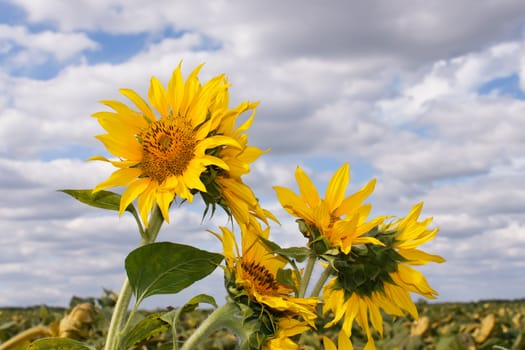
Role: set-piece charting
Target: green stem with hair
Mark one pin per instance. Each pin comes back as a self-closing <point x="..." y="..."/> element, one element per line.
<point x="124" y="297"/>
<point x="322" y="280"/>
<point x="225" y="316"/>
<point x="305" y="280"/>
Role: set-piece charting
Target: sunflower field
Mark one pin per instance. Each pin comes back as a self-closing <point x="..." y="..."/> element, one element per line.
<point x="491" y="324"/>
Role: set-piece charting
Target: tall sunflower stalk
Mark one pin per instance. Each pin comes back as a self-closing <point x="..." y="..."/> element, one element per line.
<point x="185" y="140"/>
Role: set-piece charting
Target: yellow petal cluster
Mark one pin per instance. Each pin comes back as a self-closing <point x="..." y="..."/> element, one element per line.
<point x="164" y="145"/>
<point x="394" y="298"/>
<point x="255" y="268"/>
<point x="341" y="221"/>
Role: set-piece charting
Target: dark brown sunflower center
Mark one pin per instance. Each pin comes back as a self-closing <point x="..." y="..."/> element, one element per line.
<point x="168" y="147"/>
<point x="262" y="280"/>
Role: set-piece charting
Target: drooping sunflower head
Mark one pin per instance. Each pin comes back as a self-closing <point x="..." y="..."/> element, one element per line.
<point x="226" y="188"/>
<point x="375" y="277"/>
<point x="175" y="145"/>
<point x="333" y="221"/>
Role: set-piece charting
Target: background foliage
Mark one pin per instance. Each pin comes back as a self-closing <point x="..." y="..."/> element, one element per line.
<point x="491" y="324"/>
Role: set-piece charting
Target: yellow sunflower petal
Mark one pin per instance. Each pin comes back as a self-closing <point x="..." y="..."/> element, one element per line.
<point x="336" y="188"/>
<point x="375" y="315"/>
<point x="229" y="246"/>
<point x="120" y="177"/>
<point x="199" y="106"/>
<point x="401" y="298"/>
<point x="132" y="116"/>
<point x="117" y="125"/>
<point x="164" y="198"/>
<point x="116" y="163"/>
<point x="307" y="188"/>
<point x="415" y="279"/>
<point x="140" y="103"/>
<point x="419" y="257"/>
<point x="328" y="344"/>
<point x="158" y="97"/>
<point x="292" y="203"/>
<point x="132" y="192"/>
<point x="216" y="141"/>
<point x="352" y="203"/>
<point x="343" y="341"/>
<point x="146" y="201"/>
<point x="121" y="148"/>
<point x="176" y="90"/>
<point x="191" y="86"/>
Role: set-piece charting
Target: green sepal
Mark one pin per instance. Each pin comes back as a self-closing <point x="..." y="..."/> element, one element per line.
<point x="144" y="329"/>
<point x="59" y="344"/>
<point x="317" y="241"/>
<point x="167" y="268"/>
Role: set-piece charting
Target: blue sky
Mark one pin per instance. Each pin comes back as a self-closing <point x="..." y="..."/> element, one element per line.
<point x="432" y="109"/>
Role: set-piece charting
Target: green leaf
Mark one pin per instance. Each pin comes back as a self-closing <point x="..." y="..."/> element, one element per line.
<point x="147" y="327"/>
<point x="102" y="199"/>
<point x="285" y="276"/>
<point x="59" y="344"/>
<point x="194" y="302"/>
<point x="167" y="268"/>
<point x="298" y="253"/>
<point x="172" y="316"/>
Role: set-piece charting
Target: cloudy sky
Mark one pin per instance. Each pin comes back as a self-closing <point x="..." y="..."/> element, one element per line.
<point x="425" y="96"/>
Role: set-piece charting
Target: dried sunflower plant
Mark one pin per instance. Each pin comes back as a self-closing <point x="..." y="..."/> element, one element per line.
<point x="185" y="141"/>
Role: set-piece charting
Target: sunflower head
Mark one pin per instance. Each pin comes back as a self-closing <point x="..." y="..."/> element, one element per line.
<point x="179" y="142"/>
<point x="252" y="279"/>
<point x="375" y="277"/>
<point x="332" y="222"/>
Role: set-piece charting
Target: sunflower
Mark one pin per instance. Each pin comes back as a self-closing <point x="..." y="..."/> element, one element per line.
<point x="165" y="148"/>
<point x="251" y="279"/>
<point x="227" y="188"/>
<point x="255" y="270"/>
<point x="339" y="221"/>
<point x="377" y="278"/>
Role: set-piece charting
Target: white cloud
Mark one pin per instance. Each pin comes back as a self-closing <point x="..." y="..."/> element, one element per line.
<point x="37" y="46"/>
<point x="455" y="79"/>
<point x="409" y="28"/>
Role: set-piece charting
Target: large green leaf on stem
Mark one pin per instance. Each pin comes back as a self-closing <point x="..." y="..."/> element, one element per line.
<point x="59" y="344"/>
<point x="167" y="268"/>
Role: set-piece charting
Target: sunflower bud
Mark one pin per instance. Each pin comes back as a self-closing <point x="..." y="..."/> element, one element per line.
<point x="316" y="240"/>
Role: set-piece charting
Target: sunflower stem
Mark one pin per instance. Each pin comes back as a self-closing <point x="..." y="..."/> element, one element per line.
<point x="321" y="281"/>
<point x="307" y="275"/>
<point x="124" y="297"/>
<point x="225" y="316"/>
